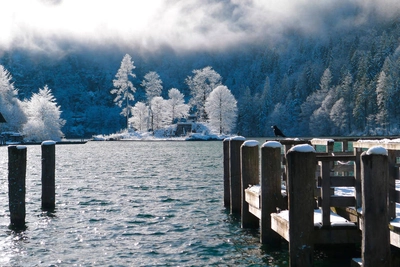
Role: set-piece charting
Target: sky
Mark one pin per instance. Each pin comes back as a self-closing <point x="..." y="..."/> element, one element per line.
<point x="53" y="25"/>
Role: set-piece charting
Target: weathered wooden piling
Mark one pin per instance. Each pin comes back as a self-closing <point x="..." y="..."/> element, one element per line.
<point x="271" y="196"/>
<point x="301" y="166"/>
<point x="250" y="168"/>
<point x="48" y="175"/>
<point x="227" y="191"/>
<point x="16" y="185"/>
<point x="374" y="183"/>
<point x="235" y="174"/>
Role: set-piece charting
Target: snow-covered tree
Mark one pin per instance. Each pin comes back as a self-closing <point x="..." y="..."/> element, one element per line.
<point x="222" y="109"/>
<point x="124" y="88"/>
<point x="338" y="116"/>
<point x="320" y="122"/>
<point x="176" y="105"/>
<point x="201" y="84"/>
<point x="152" y="85"/>
<point x="314" y="100"/>
<point x="44" y="121"/>
<point x="140" y="116"/>
<point x="158" y="108"/>
<point x="383" y="89"/>
<point x="10" y="106"/>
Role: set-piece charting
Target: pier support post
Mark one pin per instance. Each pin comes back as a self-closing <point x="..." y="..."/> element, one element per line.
<point x="234" y="171"/>
<point x="375" y="230"/>
<point x="271" y="196"/>
<point x="250" y="167"/>
<point x="16" y="185"/>
<point x="48" y="175"/>
<point x="301" y="166"/>
<point x="227" y="192"/>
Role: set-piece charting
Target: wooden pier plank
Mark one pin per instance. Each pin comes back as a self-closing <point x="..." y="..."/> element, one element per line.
<point x="341" y="231"/>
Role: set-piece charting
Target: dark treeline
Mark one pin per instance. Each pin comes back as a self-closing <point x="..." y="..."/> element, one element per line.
<point x="341" y="83"/>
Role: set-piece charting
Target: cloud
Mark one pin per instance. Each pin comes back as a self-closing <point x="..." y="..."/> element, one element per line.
<point x="56" y="25"/>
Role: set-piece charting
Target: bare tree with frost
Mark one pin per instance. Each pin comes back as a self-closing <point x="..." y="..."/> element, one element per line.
<point x="221" y="107"/>
<point x="176" y="107"/>
<point x="124" y="88"/>
<point x="201" y="85"/>
<point x="158" y="105"/>
<point x="153" y="87"/>
<point x="140" y="116"/>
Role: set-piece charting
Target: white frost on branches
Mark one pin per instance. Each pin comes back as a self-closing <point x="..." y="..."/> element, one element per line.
<point x="221" y="107"/>
<point x="140" y="116"/>
<point x="124" y="88"/>
<point x="44" y="122"/>
<point x="176" y="107"/>
<point x="157" y="106"/>
<point x="201" y="85"/>
<point x="152" y="84"/>
<point x="10" y="105"/>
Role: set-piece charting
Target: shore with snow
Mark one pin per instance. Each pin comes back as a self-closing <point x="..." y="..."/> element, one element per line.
<point x="203" y="133"/>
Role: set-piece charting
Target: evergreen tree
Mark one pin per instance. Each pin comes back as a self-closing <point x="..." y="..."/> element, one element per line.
<point x="338" y="116"/>
<point x="383" y="89"/>
<point x="152" y="85"/>
<point x="124" y="88"/>
<point x="245" y="114"/>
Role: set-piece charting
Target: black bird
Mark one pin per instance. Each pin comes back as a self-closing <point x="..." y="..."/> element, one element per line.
<point x="277" y="132"/>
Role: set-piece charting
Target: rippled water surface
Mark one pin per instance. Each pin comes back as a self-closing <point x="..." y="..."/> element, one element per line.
<point x="130" y="204"/>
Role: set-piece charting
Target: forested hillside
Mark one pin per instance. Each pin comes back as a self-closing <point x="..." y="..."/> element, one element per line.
<point x="341" y="83"/>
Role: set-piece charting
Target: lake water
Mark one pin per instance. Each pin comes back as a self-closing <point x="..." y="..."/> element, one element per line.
<point x="130" y="204"/>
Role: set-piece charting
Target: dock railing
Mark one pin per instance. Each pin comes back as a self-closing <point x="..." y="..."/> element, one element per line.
<point x="317" y="176"/>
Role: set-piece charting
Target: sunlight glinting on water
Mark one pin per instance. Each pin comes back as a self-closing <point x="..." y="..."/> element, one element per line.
<point x="128" y="204"/>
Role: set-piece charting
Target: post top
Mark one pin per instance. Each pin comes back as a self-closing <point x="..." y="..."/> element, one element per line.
<point x="48" y="143"/>
<point x="377" y="150"/>
<point x="304" y="148"/>
<point x="250" y="143"/>
<point x="237" y="138"/>
<point x="273" y="144"/>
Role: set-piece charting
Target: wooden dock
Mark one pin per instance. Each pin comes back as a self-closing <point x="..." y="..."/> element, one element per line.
<point x="291" y="180"/>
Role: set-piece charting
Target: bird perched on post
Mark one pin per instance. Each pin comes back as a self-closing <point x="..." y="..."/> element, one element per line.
<point x="277" y="132"/>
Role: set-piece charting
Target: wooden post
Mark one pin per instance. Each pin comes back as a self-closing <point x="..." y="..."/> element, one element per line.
<point x="250" y="167"/>
<point x="227" y="192"/>
<point x="271" y="196"/>
<point x="329" y="145"/>
<point x="301" y="166"/>
<point x="393" y="175"/>
<point x="48" y="175"/>
<point x="326" y="193"/>
<point x="234" y="171"/>
<point x="345" y="145"/>
<point x="375" y="230"/>
<point x="16" y="185"/>
<point x="357" y="174"/>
